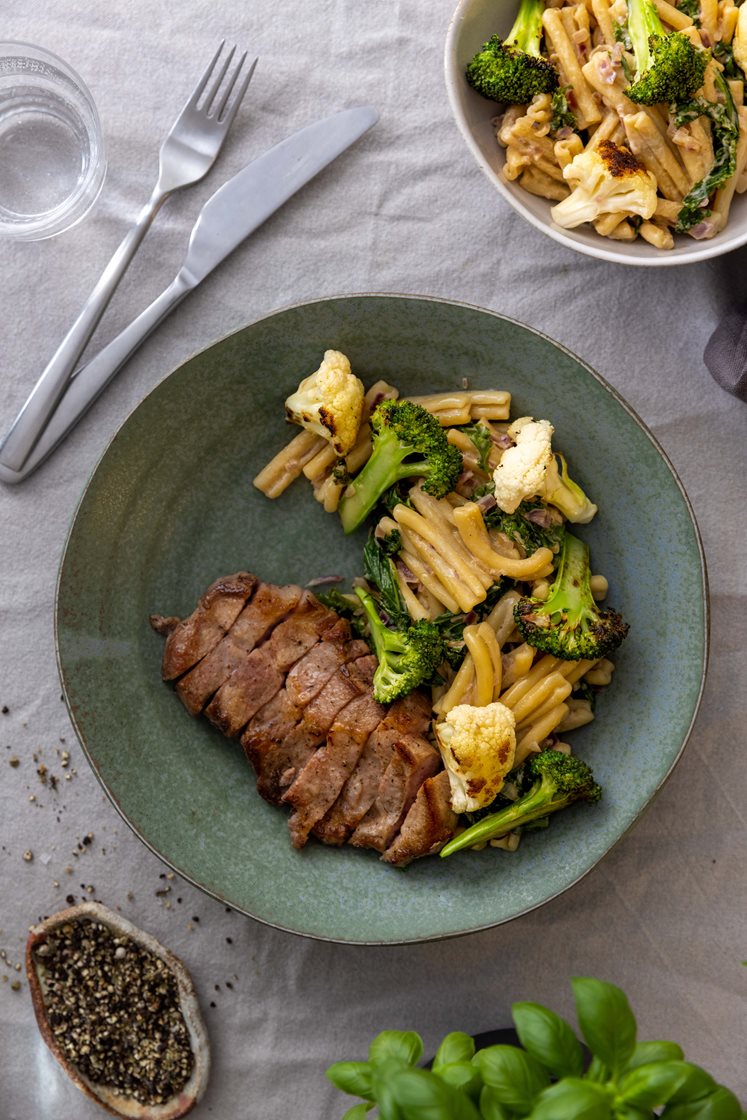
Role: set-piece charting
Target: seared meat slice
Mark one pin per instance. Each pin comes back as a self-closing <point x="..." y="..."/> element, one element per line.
<point x="429" y="824"/>
<point x="195" y="636"/>
<point x="348" y="682"/>
<point x="309" y="675"/>
<point x="262" y="673"/>
<point x="268" y="606"/>
<point x="412" y="760"/>
<point x="410" y="714"/>
<point x="319" y="783"/>
<point x="275" y="741"/>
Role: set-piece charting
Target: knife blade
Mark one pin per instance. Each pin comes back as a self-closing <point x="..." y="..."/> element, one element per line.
<point x="229" y="216"/>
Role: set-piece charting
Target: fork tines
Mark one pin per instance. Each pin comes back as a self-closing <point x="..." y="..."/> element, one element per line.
<point x="215" y="103"/>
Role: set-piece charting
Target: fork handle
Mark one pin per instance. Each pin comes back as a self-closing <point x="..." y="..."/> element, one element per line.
<point x="92" y="379"/>
<point x="44" y="397"/>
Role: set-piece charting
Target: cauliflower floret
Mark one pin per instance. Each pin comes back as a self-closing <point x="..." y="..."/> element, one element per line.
<point x="523" y="468"/>
<point x="329" y="402"/>
<point x="605" y="180"/>
<point x="531" y="469"/>
<point x="478" y="747"/>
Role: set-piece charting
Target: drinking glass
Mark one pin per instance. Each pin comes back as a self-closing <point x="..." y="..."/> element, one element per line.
<point x="52" y="161"/>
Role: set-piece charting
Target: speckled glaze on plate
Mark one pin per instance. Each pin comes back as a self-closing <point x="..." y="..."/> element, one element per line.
<point x="171" y="507"/>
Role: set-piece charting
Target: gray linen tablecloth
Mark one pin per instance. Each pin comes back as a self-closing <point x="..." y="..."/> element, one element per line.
<point x="664" y="913"/>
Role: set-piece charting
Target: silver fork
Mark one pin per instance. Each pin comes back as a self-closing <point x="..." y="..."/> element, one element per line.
<point x="186" y="155"/>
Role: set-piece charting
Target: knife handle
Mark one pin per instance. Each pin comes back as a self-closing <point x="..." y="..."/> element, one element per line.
<point x="41" y="402"/>
<point x="85" y="386"/>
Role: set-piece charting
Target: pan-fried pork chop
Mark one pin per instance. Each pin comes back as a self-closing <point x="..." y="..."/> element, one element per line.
<point x="407" y="717"/>
<point x="276" y="668"/>
<point x="191" y="639"/>
<point x="428" y="825"/>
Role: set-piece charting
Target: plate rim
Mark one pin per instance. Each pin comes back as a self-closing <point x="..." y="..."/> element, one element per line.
<point x="704" y="587"/>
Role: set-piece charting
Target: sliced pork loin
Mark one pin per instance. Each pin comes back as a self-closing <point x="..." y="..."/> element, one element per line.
<point x="428" y="825"/>
<point x="413" y="760"/>
<point x="284" y="734"/>
<point x="274" y="667"/>
<point x="406" y="718"/>
<point x="268" y="606"/>
<point x="190" y="639"/>
<point x="318" y="784"/>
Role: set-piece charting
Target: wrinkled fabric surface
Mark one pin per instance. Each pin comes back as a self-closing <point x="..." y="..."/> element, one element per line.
<point x="408" y="210"/>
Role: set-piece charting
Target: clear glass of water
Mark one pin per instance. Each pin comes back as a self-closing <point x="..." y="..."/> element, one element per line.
<point x="52" y="162"/>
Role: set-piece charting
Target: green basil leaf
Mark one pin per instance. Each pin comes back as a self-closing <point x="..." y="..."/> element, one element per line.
<point x="573" y="1099"/>
<point x="597" y="1071"/>
<point x="653" y="1084"/>
<point x="624" y="1111"/>
<point x="352" y="1077"/>
<point x="721" y="1104"/>
<point x="463" y="1076"/>
<point x="516" y="1077"/>
<point x="422" y="1095"/>
<point x="606" y="1020"/>
<point x="456" y="1047"/>
<point x="698" y="1084"/>
<point x="406" y="1046"/>
<point x="491" y="1108"/>
<point x="383" y="1077"/>
<point x="548" y="1038"/>
<point x="358" y="1112"/>
<point x="658" y="1051"/>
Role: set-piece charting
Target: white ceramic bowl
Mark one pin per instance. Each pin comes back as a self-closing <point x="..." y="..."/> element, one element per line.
<point x="472" y="24"/>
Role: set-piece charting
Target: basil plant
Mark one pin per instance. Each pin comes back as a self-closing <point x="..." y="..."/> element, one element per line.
<point x="550" y="1076"/>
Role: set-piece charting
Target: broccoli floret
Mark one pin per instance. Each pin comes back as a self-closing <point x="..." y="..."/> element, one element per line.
<point x="407" y="442"/>
<point x="552" y="780"/>
<point x="668" y="67"/>
<point x="569" y="624"/>
<point x="408" y="656"/>
<point x="512" y="70"/>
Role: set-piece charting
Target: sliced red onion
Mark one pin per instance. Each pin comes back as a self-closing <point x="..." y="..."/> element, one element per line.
<point x="606" y="69"/>
<point x="486" y="502"/>
<point x="503" y="440"/>
<point x="320" y="581"/>
<point x="407" y="575"/>
<point x="541" y="517"/>
<point x="703" y="229"/>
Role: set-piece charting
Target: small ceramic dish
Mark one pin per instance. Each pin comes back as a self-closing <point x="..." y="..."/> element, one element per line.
<point x="117" y="1103"/>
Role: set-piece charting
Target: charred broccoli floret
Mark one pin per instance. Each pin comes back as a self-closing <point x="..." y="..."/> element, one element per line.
<point x="408" y="656"/>
<point x="668" y="67"/>
<point x="407" y="442"/>
<point x="512" y="69"/>
<point x="551" y="781"/>
<point x="569" y="624"/>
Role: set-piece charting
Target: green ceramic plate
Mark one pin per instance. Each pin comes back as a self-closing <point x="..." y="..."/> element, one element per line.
<point x="171" y="507"/>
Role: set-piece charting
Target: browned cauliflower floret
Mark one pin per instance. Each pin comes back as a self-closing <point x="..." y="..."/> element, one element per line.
<point x="605" y="180"/>
<point x="329" y="402"/>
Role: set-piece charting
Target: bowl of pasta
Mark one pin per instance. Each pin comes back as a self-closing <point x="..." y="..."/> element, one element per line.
<point x="329" y="648"/>
<point x="618" y="130"/>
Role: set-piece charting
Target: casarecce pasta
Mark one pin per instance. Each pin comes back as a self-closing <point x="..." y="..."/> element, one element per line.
<point x="458" y="567"/>
<point x="682" y="162"/>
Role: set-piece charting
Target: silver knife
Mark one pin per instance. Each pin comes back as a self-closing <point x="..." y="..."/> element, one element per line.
<point x="227" y="218"/>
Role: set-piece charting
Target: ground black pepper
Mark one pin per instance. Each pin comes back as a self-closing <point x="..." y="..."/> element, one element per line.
<point x="113" y="1008"/>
